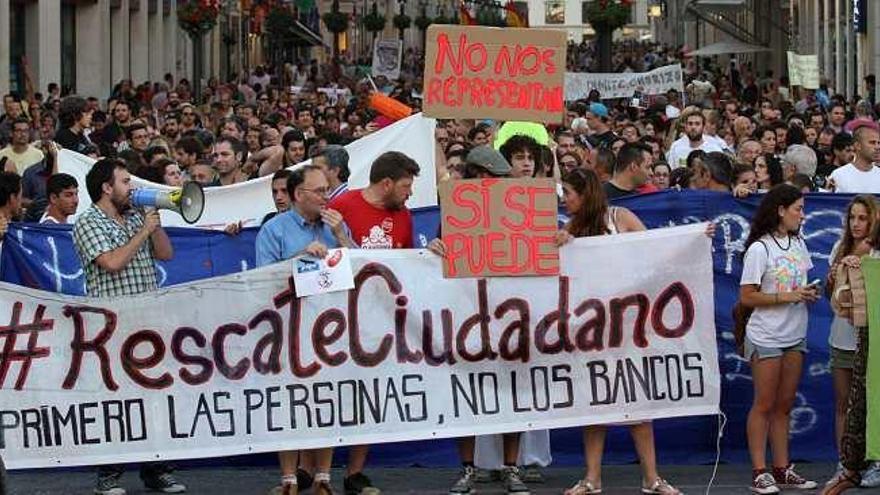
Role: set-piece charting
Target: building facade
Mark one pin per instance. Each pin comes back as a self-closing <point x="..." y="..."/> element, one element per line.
<point x="570" y="16"/>
<point x="88" y="45"/>
<point x="845" y="34"/>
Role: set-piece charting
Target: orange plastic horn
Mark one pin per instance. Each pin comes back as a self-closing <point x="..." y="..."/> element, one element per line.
<point x="389" y="107"/>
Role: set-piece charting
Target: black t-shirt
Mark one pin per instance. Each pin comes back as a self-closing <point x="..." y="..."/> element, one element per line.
<point x="72" y="141"/>
<point x="613" y="192"/>
<point x="603" y="140"/>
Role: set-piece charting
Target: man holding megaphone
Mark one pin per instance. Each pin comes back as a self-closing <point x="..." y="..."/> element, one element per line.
<point x="118" y="246"/>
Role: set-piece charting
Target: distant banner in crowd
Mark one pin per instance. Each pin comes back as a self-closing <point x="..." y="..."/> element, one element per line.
<point x="871" y="270"/>
<point x="503" y="74"/>
<point x="387" y="55"/>
<point x="239" y="364"/>
<point x="623" y="85"/>
<point x="252" y="200"/>
<point x="803" y="70"/>
<point x="43" y="257"/>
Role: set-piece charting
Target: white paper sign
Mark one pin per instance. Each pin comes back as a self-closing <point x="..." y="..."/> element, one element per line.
<point x="318" y="276"/>
<point x="624" y="84"/>
<point x="386" y="58"/>
<point x="803" y="70"/>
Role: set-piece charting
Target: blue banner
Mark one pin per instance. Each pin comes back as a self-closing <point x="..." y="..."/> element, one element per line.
<point x="42" y="256"/>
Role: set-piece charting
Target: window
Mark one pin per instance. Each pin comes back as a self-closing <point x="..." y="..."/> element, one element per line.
<point x="554" y="12"/>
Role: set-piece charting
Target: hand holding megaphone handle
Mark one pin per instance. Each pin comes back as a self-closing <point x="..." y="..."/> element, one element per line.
<point x="152" y="220"/>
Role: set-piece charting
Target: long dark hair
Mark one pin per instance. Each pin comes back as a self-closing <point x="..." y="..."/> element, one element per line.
<point x="592" y="217"/>
<point x="847" y="241"/>
<point x="774" y="169"/>
<point x="766" y="218"/>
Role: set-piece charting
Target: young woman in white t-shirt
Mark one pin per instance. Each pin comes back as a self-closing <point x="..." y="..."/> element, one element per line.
<point x="774" y="282"/>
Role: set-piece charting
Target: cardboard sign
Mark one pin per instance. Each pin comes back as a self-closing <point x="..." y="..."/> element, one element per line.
<point x="502" y="74"/>
<point x="499" y="227"/>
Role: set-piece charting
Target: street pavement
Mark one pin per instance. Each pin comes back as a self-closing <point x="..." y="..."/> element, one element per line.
<point x="257" y="480"/>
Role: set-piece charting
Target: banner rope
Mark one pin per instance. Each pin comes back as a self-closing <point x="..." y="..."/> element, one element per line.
<point x="722" y="422"/>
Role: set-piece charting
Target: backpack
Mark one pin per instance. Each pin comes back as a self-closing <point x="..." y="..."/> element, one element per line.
<point x="741" y="314"/>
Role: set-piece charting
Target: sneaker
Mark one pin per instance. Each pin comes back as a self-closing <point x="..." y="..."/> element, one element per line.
<point x="486" y="475"/>
<point x="359" y="484"/>
<point x="871" y="476"/>
<point x="660" y="487"/>
<point x="837" y="472"/>
<point x="532" y="474"/>
<point x="163" y="483"/>
<point x="788" y="478"/>
<point x="512" y="481"/>
<point x="108" y="485"/>
<point x="764" y="484"/>
<point x="465" y="483"/>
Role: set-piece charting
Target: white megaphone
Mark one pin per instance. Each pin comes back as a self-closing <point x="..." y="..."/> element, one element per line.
<point x="188" y="201"/>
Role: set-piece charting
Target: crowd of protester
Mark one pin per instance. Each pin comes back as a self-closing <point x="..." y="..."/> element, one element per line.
<point x="732" y="130"/>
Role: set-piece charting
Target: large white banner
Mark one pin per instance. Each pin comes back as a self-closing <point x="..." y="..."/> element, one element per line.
<point x="623" y="85"/>
<point x="239" y="364"/>
<point x="252" y="200"/>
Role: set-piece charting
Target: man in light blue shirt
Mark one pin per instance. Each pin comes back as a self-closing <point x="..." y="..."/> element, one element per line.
<point x="308" y="227"/>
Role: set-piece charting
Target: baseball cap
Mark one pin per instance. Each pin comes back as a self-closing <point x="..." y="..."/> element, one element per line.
<point x="599" y="110"/>
<point x="487" y="157"/>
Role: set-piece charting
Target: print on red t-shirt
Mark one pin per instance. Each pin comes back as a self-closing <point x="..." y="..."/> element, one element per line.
<point x="371" y="227"/>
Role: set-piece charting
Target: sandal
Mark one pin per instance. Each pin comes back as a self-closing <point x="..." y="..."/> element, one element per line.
<point x="583" y="487"/>
<point x="660" y="487"/>
<point x="842" y="482"/>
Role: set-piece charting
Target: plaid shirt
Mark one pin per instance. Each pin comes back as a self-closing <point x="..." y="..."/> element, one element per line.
<point x="94" y="234"/>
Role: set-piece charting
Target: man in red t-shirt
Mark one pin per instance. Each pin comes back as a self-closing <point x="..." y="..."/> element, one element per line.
<point x="377" y="215"/>
<point x="378" y="219"/>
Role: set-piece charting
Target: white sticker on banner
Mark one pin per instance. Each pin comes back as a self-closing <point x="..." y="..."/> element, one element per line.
<point x="319" y="276"/>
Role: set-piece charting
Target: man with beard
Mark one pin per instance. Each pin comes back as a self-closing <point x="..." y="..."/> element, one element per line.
<point x="171" y="129"/>
<point x="377" y="214"/>
<point x="378" y="219"/>
<point x="117" y="246"/>
<point x="228" y="158"/>
<point x="20" y="150"/>
<point x="692" y="140"/>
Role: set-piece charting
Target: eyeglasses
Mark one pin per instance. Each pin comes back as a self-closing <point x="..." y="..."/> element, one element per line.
<point x="321" y="191"/>
<point x="187" y="113"/>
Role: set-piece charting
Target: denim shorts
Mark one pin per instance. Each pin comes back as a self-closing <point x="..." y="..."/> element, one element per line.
<point x="842" y="359"/>
<point x="772" y="352"/>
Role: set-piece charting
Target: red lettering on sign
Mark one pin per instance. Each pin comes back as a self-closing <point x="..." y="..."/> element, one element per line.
<point x="458" y="197"/>
<point x="474" y="55"/>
